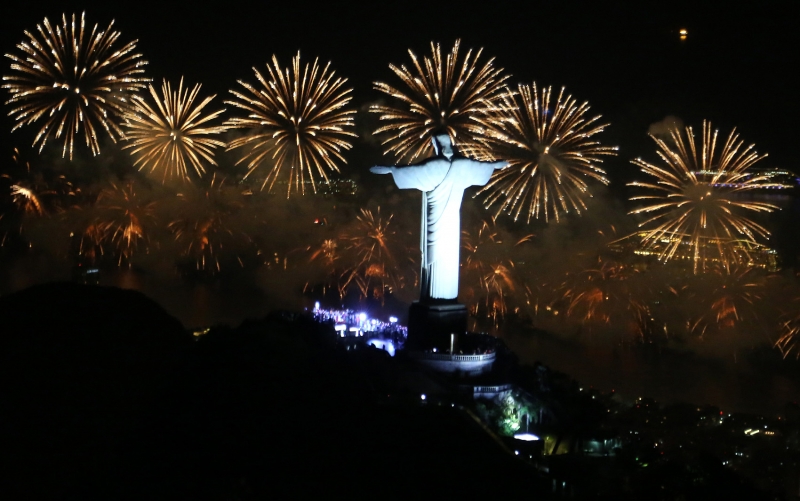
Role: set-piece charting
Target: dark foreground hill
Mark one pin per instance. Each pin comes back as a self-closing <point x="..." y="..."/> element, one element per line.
<point x="105" y="395"/>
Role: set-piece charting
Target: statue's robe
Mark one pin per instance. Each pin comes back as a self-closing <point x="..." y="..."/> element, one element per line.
<point x="442" y="183"/>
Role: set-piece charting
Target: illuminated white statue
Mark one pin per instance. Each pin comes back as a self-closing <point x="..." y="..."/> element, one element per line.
<point x="442" y="180"/>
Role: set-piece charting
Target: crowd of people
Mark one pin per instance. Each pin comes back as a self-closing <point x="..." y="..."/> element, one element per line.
<point x="353" y="323"/>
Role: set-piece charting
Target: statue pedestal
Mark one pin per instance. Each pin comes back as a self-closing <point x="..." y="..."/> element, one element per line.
<point x="430" y="325"/>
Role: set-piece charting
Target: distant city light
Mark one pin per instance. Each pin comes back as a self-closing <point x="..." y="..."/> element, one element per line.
<point x="316" y="306"/>
<point x="201" y="332"/>
<point x="526" y="437"/>
<point x="362" y="316"/>
<point x="684" y="33"/>
<point x="393" y="320"/>
<point x="422" y="397"/>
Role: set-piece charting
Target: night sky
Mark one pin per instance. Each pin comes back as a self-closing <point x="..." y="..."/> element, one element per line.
<point x="736" y="67"/>
<point x="628" y="62"/>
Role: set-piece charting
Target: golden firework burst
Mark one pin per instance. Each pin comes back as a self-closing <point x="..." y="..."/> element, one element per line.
<point x="443" y="94"/>
<point x="73" y="80"/>
<point x="551" y="151"/>
<point x="296" y="121"/>
<point x="172" y="134"/>
<point x="694" y="196"/>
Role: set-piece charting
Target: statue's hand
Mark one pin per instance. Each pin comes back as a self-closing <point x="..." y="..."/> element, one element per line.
<point x="380" y="170"/>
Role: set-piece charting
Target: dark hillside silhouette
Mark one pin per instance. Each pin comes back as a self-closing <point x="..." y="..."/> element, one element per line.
<point x="107" y="395"/>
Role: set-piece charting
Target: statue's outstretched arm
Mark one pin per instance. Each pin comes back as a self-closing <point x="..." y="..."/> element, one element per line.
<point x="499" y="165"/>
<point x="424" y="176"/>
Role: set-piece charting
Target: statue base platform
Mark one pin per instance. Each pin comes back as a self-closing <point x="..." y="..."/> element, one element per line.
<point x="431" y="325"/>
<point x="465" y="365"/>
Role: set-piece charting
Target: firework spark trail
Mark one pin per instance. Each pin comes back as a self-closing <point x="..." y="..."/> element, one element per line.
<point x="207" y="234"/>
<point x="74" y="81"/>
<point x="550" y="148"/>
<point x="735" y="297"/>
<point x="91" y="242"/>
<point x="443" y="94"/>
<point x="27" y="200"/>
<point x="173" y="133"/>
<point x="374" y="268"/>
<point x="607" y="296"/>
<point x="31" y="193"/>
<point x="789" y="340"/>
<point x="296" y="120"/>
<point x="692" y="194"/>
<point x="373" y="259"/>
<point x="124" y="219"/>
<point x="328" y="252"/>
<point x="43" y="201"/>
<point x="725" y="309"/>
<point x="489" y="273"/>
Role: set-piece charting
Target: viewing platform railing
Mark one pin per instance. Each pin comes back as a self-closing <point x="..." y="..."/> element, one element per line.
<point x="491" y="389"/>
<point x="453" y="358"/>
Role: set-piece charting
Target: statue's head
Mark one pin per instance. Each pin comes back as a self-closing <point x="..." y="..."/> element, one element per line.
<point x="443" y="145"/>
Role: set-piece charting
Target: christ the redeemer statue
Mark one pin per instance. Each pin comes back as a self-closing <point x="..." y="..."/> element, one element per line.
<point x="442" y="180"/>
